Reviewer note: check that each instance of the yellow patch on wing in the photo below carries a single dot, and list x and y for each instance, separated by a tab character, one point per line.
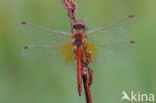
67	51
92	48
70	36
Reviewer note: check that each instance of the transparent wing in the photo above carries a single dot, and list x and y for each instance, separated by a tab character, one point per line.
103	53
114	30
49	55
42	35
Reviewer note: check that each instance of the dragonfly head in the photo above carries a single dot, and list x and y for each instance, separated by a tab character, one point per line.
78	25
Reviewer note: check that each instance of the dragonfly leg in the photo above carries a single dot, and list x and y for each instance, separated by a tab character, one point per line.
87	53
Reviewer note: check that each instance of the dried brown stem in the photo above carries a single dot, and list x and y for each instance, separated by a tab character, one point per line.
87	83
71	7
87	89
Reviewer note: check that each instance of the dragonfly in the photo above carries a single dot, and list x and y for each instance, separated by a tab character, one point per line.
61	48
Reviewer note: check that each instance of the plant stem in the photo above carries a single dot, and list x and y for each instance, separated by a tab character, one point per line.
87	89
87	82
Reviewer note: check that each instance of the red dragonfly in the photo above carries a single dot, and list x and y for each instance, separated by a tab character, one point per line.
60	48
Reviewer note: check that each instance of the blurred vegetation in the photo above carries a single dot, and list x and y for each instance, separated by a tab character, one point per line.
24	81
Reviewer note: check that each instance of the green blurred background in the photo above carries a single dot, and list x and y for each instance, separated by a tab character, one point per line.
24	81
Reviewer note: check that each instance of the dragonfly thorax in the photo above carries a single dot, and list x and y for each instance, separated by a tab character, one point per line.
78	37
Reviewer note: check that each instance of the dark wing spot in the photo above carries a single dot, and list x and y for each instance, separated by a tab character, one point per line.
131	16
23	23
132	42
26	47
